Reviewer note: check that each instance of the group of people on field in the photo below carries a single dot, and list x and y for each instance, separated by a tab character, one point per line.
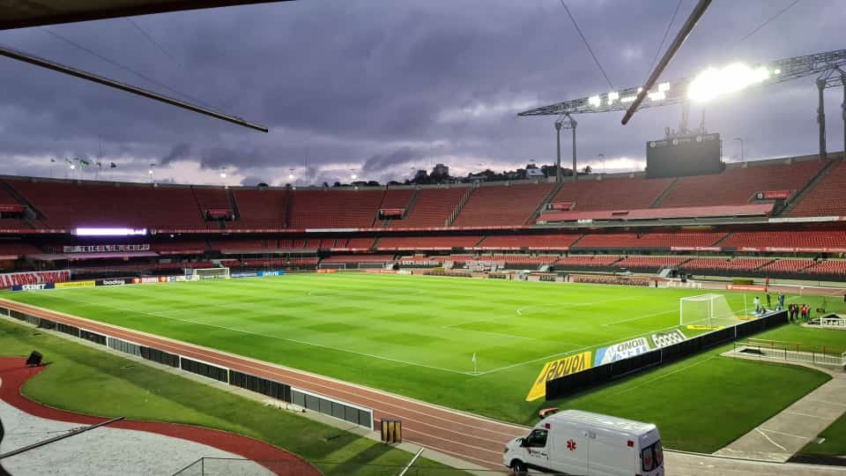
796	312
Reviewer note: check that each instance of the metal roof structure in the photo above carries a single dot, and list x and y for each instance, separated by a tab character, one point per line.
28	13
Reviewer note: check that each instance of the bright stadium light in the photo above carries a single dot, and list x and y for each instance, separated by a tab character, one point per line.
663	87
290	176
594	101
110	231
613	96
715	82
657	96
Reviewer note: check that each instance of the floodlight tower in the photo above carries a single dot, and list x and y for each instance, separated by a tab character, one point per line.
565	121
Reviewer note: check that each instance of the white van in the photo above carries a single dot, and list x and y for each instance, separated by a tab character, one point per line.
583	443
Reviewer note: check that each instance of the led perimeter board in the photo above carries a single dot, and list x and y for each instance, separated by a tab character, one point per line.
683	156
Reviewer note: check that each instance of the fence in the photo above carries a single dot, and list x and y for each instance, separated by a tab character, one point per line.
590	378
311	401
791	352
245	467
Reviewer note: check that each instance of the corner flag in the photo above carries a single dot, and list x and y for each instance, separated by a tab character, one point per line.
474	364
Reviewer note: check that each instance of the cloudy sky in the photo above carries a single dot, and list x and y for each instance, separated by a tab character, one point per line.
379	87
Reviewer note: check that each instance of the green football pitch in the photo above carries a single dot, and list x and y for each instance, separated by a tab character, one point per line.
410	335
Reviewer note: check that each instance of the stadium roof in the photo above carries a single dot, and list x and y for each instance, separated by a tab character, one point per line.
21	14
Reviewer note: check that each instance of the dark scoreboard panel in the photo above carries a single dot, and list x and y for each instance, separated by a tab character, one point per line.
682	156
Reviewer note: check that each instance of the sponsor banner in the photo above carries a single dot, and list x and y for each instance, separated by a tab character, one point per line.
665	339
392	212
783	249
11	208
7	280
695	248
113	282
773	195
558	368
33	287
380	271
279	272
150	279
805	219
76	284
621	351
251	274
560	206
746	287
104	248
327	271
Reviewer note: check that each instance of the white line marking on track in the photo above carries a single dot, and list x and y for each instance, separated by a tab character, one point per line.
783	433
769	439
806	415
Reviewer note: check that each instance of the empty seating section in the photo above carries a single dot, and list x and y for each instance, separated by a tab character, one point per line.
649	240
502	206
70	205
650	262
536	260
832	267
788	265
13	224
175	247
737	185
359	243
358	259
537	242
397	198
245	245
6	199
260	208
597	261
17	248
834	239
612	194
334	208
211	198
828	198
426	242
726	264
432	207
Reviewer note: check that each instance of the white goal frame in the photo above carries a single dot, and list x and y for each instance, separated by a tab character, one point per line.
210	273
712	300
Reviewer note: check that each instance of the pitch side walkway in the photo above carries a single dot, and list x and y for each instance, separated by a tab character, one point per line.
785	434
472	438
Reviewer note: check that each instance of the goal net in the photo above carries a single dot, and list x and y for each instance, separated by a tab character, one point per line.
210	273
706	310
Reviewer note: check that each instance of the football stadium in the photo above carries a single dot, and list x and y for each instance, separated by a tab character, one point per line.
687	316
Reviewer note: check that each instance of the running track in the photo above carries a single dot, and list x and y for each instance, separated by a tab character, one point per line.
468	437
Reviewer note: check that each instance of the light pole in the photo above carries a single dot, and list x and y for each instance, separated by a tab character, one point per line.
742	150
604	171
566	122
150	173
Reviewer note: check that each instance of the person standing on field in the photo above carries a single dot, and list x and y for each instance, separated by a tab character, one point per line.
757	303
769	301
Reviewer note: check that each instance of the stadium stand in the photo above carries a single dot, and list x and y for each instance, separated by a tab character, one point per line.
725	211
211	198
395	198
649	240
814	240
15	248
502	205
828	198
558	241
260	208
347	259
587	261
432	207
788	266
180	247
737	185
611	193
245	245
525	260
334	208
69	205
726	264
359	243
426	242
13	224
830	268
650	262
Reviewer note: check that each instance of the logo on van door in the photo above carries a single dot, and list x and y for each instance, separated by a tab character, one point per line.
571	445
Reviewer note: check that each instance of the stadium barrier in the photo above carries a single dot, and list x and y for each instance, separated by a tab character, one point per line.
603	374
357	415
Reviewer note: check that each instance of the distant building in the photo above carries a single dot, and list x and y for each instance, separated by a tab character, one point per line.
534	173
440	170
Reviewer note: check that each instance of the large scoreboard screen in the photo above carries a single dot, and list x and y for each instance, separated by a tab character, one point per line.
682	156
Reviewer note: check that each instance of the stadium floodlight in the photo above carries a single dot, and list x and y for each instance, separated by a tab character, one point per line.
657	96
594	101
290	176
664	87
715	82
354	176
613	96
110	231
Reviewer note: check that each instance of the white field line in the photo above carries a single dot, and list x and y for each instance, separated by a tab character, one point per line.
639	317
770	439
666	375
508	336
578	304
296	341
807	415
783	433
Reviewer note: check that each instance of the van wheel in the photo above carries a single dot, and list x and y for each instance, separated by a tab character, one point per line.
518	468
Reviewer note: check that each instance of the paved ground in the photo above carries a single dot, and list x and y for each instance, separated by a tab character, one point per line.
686	464
783	435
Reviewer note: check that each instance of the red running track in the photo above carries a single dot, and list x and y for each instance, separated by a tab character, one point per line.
472	438
14	373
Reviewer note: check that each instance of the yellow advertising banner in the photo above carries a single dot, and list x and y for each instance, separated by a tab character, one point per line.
558	368
75	284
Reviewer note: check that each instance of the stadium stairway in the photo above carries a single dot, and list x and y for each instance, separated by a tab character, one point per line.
718	242
464	199
552	193
809	187
32	216
410	203
660	198
233	203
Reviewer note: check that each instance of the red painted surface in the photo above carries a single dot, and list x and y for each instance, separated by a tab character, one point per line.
14	373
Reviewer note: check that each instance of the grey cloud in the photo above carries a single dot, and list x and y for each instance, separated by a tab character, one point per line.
179	151
398	157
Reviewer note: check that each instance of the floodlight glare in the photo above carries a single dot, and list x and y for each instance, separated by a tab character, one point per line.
110	231
223	175
715	82
613	96
290	176
594	101
777	71
663	87
657	96
628	99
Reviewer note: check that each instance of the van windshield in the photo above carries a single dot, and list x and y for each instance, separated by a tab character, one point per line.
652	456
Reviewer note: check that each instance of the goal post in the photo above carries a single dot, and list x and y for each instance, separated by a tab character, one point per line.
708	310
210	273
